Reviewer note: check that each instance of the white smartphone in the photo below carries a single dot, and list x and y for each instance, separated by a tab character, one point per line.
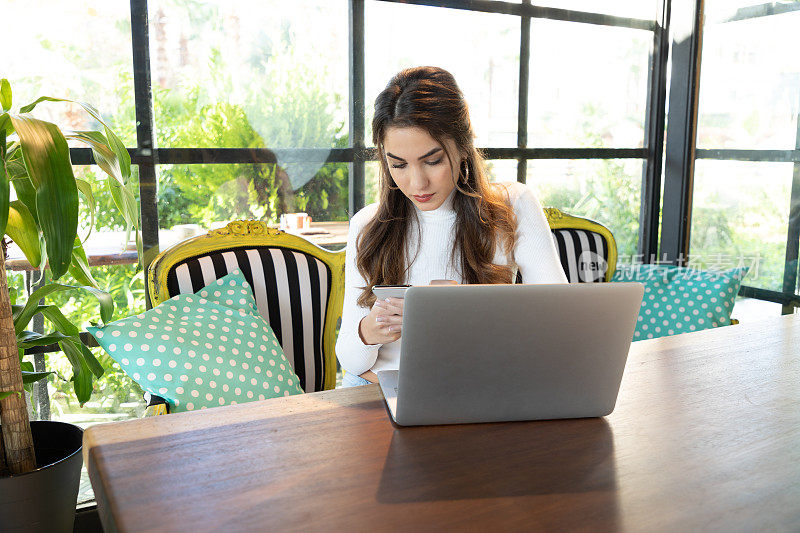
389	291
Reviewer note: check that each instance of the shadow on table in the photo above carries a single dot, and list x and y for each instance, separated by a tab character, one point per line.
525	458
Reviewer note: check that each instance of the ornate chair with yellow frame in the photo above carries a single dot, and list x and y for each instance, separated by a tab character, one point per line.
587	249
298	288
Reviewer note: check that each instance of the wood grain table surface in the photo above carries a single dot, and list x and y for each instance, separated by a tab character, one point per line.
705	437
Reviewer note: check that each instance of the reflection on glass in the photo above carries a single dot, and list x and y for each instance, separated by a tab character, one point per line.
588	85
212	195
740	218
79	50
608	191
749	83
250	74
480	50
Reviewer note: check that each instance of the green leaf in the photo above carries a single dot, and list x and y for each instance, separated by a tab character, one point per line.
16	310
9	393
26	193
28	108
24	231
79	268
106	303
88	107
28	339
32	306
46	155
15	168
91	361
5	194
5	124
113	141
104	156
61	323
5	94
112	157
33	377
81	374
86	190
26	366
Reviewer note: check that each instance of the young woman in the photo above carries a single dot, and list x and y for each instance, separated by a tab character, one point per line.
438	218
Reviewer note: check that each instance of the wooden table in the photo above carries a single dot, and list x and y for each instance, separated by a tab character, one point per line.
705	436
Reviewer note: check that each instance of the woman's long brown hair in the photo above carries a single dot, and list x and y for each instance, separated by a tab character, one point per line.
429	98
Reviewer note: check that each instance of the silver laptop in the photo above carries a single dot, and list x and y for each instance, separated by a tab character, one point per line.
494	353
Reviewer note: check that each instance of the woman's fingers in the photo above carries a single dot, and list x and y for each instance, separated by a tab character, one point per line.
393	306
392	336
388	319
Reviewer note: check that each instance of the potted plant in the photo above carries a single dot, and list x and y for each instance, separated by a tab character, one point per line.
40	462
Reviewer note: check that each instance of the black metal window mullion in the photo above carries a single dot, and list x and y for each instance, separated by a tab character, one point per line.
524	78
790	267
356	114
146	157
533	11
686	28
735	154
654	135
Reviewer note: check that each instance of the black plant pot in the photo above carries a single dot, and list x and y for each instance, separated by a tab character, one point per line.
44	499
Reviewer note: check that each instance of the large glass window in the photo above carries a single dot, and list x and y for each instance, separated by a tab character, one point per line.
481	50
740	218
46	56
249	74
750	85
749	98
607	190
588	85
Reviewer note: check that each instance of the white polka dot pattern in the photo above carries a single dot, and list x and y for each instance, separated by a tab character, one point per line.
682	300
192	376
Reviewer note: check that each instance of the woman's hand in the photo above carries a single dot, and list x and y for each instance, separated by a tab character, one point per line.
384	323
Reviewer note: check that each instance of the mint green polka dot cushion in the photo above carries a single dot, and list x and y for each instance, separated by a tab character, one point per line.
203	350
680	299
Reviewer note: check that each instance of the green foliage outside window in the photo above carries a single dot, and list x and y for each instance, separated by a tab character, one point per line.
610	195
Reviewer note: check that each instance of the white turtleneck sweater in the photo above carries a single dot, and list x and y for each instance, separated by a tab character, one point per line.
430	243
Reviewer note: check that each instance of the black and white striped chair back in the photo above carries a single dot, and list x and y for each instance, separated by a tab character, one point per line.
292	290
583	253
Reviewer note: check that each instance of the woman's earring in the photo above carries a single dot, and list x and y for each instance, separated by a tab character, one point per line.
466	171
